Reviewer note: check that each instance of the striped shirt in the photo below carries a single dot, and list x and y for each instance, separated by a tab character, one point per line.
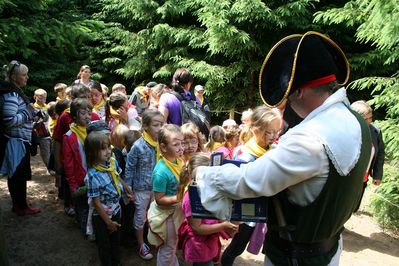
17	117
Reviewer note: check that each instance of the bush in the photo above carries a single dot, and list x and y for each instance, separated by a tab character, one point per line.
385	201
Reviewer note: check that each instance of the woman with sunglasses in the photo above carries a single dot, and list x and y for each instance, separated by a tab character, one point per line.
16	123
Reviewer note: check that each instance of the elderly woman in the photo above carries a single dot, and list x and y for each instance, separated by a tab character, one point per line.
16	134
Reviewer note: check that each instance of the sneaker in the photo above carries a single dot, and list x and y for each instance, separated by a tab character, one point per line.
70	211
91	237
145	252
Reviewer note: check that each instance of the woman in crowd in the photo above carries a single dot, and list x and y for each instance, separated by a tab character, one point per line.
16	135
83	76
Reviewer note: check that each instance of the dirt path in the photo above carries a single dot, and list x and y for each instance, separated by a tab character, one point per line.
52	238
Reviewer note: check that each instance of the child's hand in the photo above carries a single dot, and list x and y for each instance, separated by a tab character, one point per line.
122	111
130	196
230	228
113	226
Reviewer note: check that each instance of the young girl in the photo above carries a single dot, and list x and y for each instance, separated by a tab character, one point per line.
141	161
75	159
117	112
97	99
193	140
232	136
216	138
104	187
199	238
264	126
164	214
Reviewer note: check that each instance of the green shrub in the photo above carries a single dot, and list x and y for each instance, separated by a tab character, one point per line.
385	201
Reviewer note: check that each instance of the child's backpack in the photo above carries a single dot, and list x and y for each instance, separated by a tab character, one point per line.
192	112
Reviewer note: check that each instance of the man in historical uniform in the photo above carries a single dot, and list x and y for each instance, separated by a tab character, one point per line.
314	175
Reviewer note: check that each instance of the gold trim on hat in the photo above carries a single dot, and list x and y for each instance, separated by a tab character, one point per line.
288	89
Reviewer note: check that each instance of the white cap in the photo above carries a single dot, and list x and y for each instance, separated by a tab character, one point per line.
199	88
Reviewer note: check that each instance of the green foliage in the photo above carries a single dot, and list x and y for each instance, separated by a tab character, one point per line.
47	36
377	27
385	202
223	42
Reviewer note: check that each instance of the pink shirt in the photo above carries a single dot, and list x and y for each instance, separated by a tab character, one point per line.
198	248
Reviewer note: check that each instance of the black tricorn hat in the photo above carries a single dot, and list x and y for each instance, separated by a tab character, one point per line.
297	61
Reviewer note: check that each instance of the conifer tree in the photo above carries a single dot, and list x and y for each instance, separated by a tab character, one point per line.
223	42
49	36
377	26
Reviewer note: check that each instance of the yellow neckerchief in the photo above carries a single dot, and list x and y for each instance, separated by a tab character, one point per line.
51	125
174	167
41	107
112	171
153	143
80	132
143	95
217	145
68	110
97	107
200	98
254	149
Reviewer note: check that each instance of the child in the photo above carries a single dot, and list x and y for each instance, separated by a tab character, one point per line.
40	126
216	138
165	214
104	187
232	135
97	99
118	112
59	90
141	161
265	126
118	87
104	90
52	120
246	117
63	122
68	93
193	140
75	160
199	238
118	137
376	166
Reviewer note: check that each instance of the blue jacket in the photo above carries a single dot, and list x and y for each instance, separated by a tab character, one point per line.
139	165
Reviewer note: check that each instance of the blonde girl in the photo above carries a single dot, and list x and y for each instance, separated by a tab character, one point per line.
199	238
164	214
193	140
105	188
264	129
141	161
216	138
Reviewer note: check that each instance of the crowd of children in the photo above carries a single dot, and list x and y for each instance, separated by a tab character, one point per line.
120	167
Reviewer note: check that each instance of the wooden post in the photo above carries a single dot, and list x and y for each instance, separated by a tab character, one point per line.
231	114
